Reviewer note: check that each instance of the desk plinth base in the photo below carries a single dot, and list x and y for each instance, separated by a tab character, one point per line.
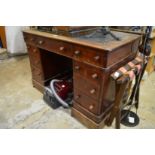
38	86
86	121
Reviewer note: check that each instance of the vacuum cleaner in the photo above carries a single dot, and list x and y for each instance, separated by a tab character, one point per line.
59	93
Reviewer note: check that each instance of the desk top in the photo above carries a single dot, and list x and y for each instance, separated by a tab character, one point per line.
94	40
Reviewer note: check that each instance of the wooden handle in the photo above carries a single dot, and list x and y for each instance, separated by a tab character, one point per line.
41	42
92	91
77	52
32	39
91	107
61	48
77	67
97	58
94	76
35	50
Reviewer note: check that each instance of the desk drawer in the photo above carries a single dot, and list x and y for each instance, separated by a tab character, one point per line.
75	51
55	46
34	55
91	90
37	74
93	74
85	101
88	55
30	39
59	47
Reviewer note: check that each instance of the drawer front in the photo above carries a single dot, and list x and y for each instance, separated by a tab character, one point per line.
37	74
88	55
30	39
91	90
55	46
34	56
74	51
93	74
65	49
85	101
125	51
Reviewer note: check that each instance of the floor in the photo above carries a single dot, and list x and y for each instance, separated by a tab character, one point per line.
21	105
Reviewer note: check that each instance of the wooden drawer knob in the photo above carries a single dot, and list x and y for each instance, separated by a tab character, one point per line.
28	47
91	107
77	67
77	97
35	50
94	76
92	91
41	42
32	39
61	48
77	52
96	58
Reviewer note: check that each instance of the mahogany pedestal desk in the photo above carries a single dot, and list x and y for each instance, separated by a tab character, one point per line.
92	60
